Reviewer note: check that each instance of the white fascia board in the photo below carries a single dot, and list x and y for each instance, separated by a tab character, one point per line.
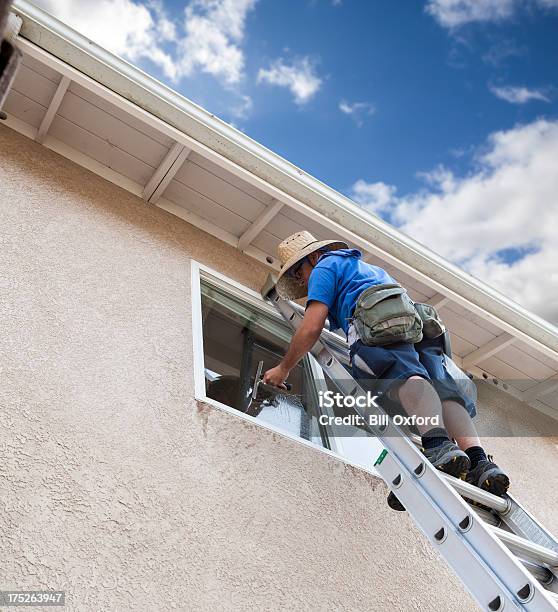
161	101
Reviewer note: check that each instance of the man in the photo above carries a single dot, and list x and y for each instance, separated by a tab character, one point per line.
332	276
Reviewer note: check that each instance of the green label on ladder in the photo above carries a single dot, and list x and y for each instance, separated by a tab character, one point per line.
381	457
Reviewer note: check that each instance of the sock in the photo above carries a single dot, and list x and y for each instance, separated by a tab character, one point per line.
476	454
434	438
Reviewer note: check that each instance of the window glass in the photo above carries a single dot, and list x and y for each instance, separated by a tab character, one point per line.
237	336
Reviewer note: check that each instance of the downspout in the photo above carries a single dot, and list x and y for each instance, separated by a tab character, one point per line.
10	55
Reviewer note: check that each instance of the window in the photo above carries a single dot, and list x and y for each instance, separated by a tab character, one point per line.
234	331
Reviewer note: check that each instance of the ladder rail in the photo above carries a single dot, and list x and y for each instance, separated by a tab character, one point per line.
526	548
493	576
511	512
524	524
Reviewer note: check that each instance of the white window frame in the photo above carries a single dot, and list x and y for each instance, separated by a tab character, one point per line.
251	297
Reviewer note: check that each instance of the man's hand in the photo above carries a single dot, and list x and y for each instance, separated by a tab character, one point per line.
276	376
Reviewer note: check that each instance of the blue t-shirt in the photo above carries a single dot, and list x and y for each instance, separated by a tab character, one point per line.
338	279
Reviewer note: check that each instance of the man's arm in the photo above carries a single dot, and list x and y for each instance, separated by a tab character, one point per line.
304	339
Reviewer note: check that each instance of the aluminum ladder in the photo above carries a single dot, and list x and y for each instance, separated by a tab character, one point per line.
503	556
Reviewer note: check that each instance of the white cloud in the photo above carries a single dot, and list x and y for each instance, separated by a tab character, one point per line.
300	77
209	39
501	51
518	95
124	27
374	197
165	27
214	30
357	110
455	13
509	205
242	108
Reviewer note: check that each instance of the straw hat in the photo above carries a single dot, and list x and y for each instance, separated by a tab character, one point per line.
292	250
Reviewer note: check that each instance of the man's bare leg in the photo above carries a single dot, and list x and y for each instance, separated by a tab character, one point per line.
418	397
459	425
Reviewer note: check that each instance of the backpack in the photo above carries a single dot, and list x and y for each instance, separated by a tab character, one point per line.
432	325
385	314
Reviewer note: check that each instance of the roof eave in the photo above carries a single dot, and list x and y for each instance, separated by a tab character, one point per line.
149	94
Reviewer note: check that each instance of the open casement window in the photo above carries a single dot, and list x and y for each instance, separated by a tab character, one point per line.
235	330
236	337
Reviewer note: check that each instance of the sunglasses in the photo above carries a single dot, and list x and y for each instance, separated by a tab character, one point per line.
294	272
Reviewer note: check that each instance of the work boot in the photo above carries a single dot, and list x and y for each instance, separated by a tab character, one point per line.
488	476
447	458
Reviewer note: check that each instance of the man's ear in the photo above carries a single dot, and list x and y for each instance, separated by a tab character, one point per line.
313	257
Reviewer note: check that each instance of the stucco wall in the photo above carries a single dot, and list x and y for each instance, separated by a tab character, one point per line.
115	485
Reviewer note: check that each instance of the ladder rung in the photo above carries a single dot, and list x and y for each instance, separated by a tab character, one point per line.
542	574
526	548
488	517
469	491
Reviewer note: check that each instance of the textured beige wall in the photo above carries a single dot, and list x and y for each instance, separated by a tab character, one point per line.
115	485
531	456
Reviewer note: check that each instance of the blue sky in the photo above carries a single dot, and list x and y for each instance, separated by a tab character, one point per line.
441	116
429	87
430	91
